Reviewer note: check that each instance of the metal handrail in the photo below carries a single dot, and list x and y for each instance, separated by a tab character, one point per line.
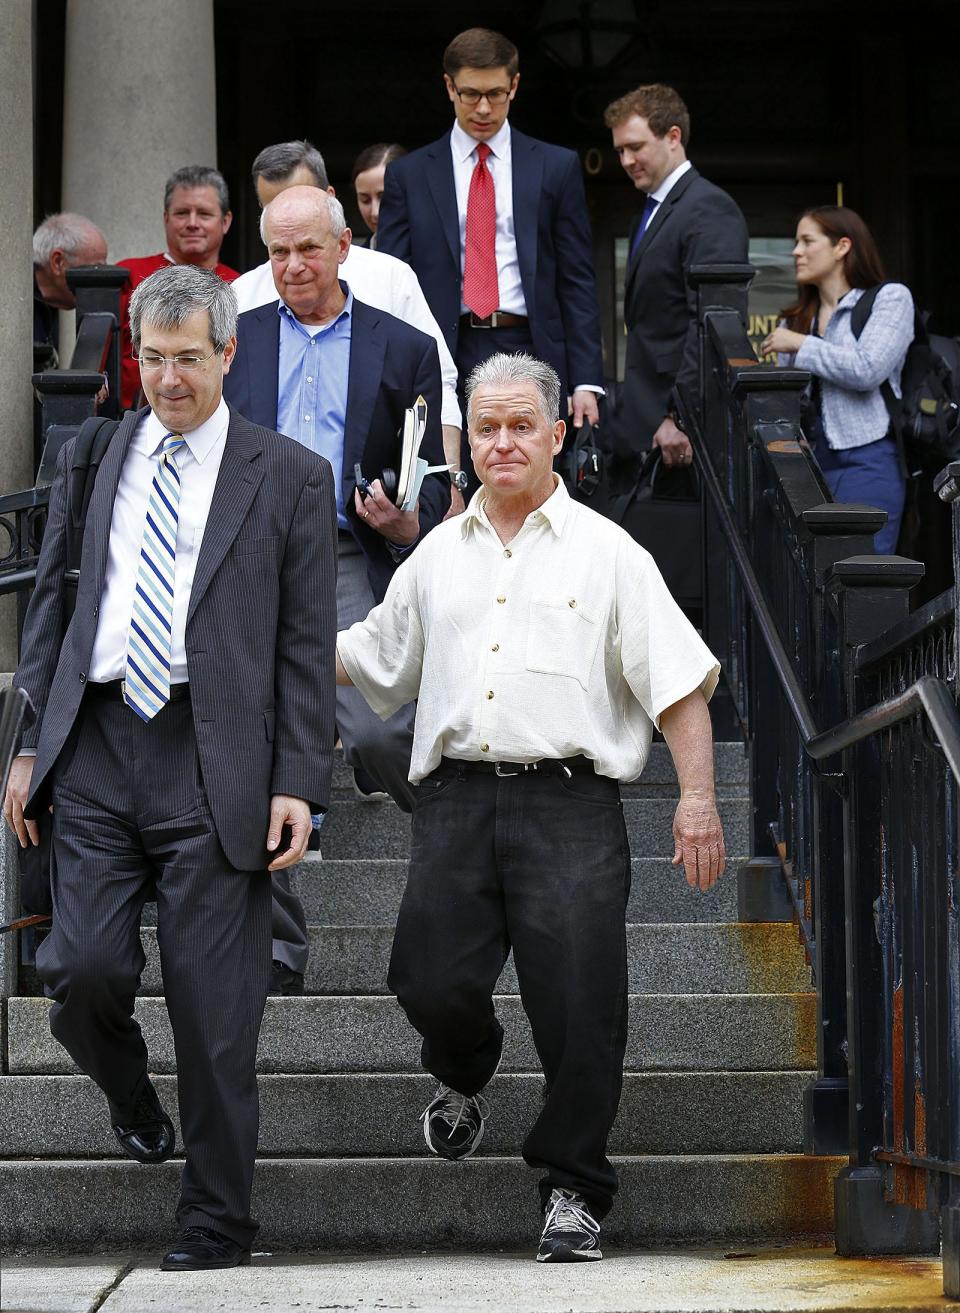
929	694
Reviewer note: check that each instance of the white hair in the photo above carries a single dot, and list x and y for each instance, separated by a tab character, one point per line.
70	233
503	370
338	220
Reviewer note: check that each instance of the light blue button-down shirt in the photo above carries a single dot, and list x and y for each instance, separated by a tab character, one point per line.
851	370
314	370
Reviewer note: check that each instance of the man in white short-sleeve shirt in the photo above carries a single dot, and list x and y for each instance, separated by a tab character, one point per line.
543	646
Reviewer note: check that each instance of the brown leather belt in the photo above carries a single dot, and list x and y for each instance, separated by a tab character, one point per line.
499	319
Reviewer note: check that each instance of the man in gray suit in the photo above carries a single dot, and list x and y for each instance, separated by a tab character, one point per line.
685	221
184	734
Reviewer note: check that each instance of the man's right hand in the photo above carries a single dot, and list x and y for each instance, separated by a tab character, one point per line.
18	787
673	443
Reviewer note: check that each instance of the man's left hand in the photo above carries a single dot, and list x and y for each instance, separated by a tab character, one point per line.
698	842
295	813
584	407
377	510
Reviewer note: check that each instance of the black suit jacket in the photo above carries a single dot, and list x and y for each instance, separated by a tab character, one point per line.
260	631
420	224
696	224
390	365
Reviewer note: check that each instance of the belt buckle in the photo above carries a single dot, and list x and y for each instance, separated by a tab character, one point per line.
123	690
509	774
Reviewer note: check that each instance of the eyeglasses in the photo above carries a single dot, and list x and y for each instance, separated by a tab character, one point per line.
470	97
184	363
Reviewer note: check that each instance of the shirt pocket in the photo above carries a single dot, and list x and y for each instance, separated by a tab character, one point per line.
563	638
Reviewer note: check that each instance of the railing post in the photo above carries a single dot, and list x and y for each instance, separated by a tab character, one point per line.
67	397
97	290
836	530
870	593
947	485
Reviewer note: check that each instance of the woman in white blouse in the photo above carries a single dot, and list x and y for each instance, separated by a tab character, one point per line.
848	427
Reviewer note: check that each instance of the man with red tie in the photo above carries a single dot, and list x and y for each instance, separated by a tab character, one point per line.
495	226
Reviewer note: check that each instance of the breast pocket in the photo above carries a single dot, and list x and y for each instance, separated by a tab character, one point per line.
563	638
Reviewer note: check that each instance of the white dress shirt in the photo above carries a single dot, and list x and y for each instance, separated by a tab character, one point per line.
667	186
463	148
379	280
566	641
199	464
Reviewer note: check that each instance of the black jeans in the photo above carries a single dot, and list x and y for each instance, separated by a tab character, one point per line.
539	863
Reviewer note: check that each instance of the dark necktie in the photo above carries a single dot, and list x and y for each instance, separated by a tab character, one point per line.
649	210
481	292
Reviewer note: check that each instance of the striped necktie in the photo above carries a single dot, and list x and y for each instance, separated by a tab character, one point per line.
146	686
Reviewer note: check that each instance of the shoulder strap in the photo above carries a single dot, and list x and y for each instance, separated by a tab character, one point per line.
861	311
92	441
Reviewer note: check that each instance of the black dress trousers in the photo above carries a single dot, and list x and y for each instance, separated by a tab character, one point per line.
131	815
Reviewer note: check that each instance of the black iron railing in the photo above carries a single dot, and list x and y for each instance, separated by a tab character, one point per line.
67	397
848	704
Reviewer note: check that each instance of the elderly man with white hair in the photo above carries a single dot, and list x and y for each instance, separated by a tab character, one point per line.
63	241
337	375
543	647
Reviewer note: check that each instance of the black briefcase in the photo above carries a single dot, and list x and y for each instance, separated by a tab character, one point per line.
661	511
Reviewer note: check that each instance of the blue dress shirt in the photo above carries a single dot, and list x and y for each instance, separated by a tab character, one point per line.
314	371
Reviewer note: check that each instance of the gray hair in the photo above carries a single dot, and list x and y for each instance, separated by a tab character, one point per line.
197	175
274	163
169	297
504	370
66	232
335	214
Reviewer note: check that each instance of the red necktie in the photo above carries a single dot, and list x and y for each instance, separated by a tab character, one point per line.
481	292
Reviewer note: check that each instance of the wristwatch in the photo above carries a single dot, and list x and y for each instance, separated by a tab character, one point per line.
458	479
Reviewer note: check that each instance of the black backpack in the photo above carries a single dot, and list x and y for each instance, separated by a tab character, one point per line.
926	419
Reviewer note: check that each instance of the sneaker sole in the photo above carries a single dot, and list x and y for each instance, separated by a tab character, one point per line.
571	1256
452	1157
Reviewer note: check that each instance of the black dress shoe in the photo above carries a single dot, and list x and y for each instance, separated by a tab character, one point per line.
200	1247
147	1134
284	980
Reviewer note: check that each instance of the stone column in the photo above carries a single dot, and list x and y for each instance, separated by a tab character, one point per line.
139	102
16	287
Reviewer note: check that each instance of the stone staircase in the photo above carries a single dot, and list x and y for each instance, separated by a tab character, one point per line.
708	1139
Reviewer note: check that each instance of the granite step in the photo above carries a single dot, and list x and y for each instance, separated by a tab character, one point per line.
367	891
360	1203
667	1032
763	958
357	829
368	1115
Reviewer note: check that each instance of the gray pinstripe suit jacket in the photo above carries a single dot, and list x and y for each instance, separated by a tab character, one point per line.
260	632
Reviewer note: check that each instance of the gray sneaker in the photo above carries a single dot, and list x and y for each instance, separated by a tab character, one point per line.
571	1233
453	1123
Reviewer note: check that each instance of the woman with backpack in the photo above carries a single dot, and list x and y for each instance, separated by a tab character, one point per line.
848	422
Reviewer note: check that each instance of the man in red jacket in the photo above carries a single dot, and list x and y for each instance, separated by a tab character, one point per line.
196	218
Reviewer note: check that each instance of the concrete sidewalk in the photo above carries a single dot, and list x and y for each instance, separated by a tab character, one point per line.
751	1280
